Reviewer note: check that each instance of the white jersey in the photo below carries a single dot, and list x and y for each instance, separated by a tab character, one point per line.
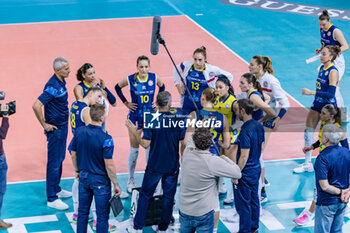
210	73
272	87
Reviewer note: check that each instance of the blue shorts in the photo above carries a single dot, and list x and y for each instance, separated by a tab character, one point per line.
317	106
135	117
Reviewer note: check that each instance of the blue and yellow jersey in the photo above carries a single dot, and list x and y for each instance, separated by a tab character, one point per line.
226	107
142	92
216	125
76	116
322	84
327	36
257	113
196	84
323	123
86	87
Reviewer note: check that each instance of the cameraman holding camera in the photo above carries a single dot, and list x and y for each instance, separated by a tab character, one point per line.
3	165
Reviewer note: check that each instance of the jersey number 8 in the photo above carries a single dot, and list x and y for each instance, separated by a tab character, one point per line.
72	120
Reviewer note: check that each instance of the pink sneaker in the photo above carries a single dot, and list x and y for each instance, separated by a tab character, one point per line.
111	227
303	220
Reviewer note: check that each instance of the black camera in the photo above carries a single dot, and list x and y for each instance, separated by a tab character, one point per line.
11	105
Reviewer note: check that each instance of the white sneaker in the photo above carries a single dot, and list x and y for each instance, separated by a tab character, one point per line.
222	188
229	199
131	184
57	204
347	211
305	167
64	194
124	195
132	230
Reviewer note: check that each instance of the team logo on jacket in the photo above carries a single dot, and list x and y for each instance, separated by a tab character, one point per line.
227	106
211	74
326	73
329	34
265	84
150	83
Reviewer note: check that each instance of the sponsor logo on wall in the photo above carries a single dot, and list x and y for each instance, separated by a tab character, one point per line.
288	7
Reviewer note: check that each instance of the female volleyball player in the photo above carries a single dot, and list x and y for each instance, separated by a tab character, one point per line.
142	87
225	104
198	75
326	85
332	35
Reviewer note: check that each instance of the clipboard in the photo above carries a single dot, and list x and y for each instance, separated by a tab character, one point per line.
116	205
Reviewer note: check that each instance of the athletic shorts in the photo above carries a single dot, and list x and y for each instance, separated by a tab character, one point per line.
317	106
136	118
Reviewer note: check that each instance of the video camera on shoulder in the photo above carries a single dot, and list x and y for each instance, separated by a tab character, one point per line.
11	105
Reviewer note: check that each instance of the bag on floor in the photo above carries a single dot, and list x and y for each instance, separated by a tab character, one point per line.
154	210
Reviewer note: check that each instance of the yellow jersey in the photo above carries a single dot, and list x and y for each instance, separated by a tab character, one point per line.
226	107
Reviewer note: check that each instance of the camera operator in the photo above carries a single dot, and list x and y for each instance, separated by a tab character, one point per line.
3	165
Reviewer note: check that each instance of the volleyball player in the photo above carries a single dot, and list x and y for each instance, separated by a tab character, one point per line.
332	35
198	75
142	87
326	85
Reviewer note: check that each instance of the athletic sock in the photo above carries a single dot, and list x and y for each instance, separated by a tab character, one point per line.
75	195
308	137
147	153
133	154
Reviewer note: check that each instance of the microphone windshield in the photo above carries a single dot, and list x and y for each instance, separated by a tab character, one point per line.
157	20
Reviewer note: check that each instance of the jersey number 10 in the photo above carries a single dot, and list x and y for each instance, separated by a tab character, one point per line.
144	98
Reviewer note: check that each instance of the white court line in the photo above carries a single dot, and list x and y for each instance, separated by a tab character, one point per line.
19	223
270	221
294	205
181	12
82	20
236	54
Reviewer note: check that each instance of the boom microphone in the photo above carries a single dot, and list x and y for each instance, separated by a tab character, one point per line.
157	20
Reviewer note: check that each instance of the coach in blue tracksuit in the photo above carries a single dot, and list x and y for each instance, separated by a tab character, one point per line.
163	163
92	156
250	140
55	101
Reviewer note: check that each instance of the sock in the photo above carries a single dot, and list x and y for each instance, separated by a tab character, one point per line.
75	195
133	154
308	137
93	209
147	153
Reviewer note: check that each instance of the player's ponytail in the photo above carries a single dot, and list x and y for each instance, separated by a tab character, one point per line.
82	70
324	16
265	62
268	65
203	51
251	78
210	94
222	78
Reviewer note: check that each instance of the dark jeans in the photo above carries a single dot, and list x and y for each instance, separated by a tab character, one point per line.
199	224
56	152
149	184
90	186
247	203
3	179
